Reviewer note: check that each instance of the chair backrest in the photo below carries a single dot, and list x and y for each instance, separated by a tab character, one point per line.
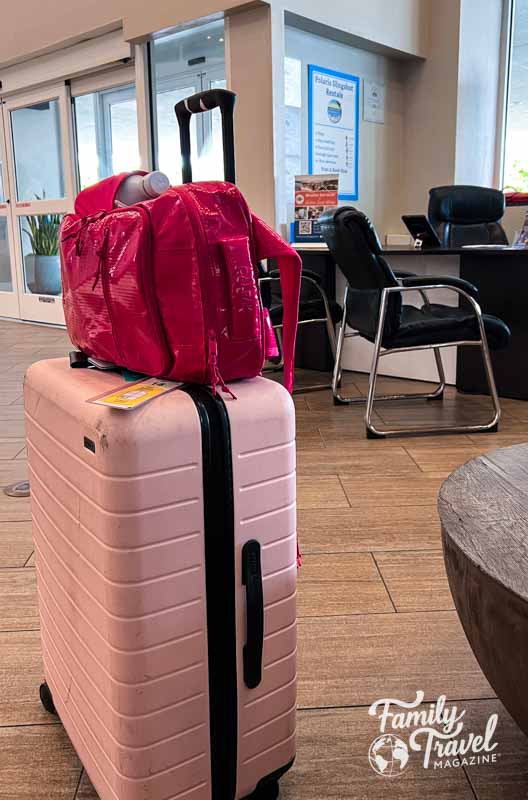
467	215
356	249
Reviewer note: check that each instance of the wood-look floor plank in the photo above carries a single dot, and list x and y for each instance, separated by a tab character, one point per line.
18	600
12	428
338	435
394	461
337	584
324	492
355	660
323	399
507	779
21	674
11	413
14	470
11	448
14	509
37	763
445	460
417	490
16	543
416	581
496	440
369	528
386	384
332	763
309	440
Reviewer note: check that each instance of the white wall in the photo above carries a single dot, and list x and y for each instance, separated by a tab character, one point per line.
380	145
34	26
401	25
452	101
431	110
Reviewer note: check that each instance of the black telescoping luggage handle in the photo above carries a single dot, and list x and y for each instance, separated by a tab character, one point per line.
252	580
196	104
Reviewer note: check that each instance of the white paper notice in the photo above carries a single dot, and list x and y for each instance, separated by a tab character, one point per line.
333	127
292	82
373	101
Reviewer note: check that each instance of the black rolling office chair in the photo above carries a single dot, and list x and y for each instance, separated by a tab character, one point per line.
373	308
314	307
467	215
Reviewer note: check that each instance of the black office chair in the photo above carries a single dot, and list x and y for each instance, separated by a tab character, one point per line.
373	308
467	215
314	307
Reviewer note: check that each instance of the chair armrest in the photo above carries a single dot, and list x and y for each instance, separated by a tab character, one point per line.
402	273
455	283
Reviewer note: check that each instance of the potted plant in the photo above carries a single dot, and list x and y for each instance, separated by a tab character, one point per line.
44	262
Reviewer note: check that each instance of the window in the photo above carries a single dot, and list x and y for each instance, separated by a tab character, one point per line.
516	148
107	135
39	170
184	63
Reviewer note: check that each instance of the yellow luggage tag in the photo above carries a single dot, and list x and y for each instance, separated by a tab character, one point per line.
133	395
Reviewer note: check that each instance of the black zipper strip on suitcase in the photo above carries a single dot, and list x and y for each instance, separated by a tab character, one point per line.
220	587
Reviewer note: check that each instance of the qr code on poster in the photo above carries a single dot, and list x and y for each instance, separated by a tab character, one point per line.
305	227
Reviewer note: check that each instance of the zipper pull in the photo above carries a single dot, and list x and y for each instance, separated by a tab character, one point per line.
216	378
101	254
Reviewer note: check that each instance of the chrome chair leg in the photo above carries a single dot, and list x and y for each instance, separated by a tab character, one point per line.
336	377
491	426
339	399
375	363
488	366
439	391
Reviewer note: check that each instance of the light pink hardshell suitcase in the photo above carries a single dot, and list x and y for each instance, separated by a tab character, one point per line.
166	561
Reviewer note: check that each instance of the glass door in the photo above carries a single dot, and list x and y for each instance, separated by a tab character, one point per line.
106	128
211	162
8	289
183	63
38	138
168	93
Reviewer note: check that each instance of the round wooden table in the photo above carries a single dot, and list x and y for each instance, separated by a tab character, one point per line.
483	507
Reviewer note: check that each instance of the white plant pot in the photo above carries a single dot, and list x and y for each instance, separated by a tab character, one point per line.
45	272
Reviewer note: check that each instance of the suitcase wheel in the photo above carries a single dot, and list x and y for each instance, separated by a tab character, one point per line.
268	790
46	698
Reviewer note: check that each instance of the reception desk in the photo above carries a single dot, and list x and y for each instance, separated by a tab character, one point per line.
501	277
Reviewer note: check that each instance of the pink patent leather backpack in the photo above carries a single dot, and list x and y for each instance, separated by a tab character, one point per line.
169	287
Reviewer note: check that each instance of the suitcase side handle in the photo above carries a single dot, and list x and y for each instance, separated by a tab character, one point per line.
196	104
252	580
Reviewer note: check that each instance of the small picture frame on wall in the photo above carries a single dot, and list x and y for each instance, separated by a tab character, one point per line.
373	101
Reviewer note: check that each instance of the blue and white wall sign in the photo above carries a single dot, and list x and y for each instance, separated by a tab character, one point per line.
333	127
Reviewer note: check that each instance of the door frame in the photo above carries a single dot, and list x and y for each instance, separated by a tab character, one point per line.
9	300
39	307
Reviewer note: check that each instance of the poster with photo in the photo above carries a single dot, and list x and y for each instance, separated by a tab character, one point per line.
333	127
313	194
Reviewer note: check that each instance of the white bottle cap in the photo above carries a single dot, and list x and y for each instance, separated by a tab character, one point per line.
155	183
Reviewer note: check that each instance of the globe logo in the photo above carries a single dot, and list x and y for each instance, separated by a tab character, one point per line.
335	111
388	756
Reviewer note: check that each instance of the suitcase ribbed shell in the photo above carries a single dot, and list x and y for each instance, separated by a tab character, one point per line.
119	539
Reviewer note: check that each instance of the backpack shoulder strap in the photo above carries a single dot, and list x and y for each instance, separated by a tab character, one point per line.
269	244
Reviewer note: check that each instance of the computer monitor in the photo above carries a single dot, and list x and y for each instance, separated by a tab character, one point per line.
421	230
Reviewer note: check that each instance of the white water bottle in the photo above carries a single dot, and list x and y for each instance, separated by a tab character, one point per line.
137	188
